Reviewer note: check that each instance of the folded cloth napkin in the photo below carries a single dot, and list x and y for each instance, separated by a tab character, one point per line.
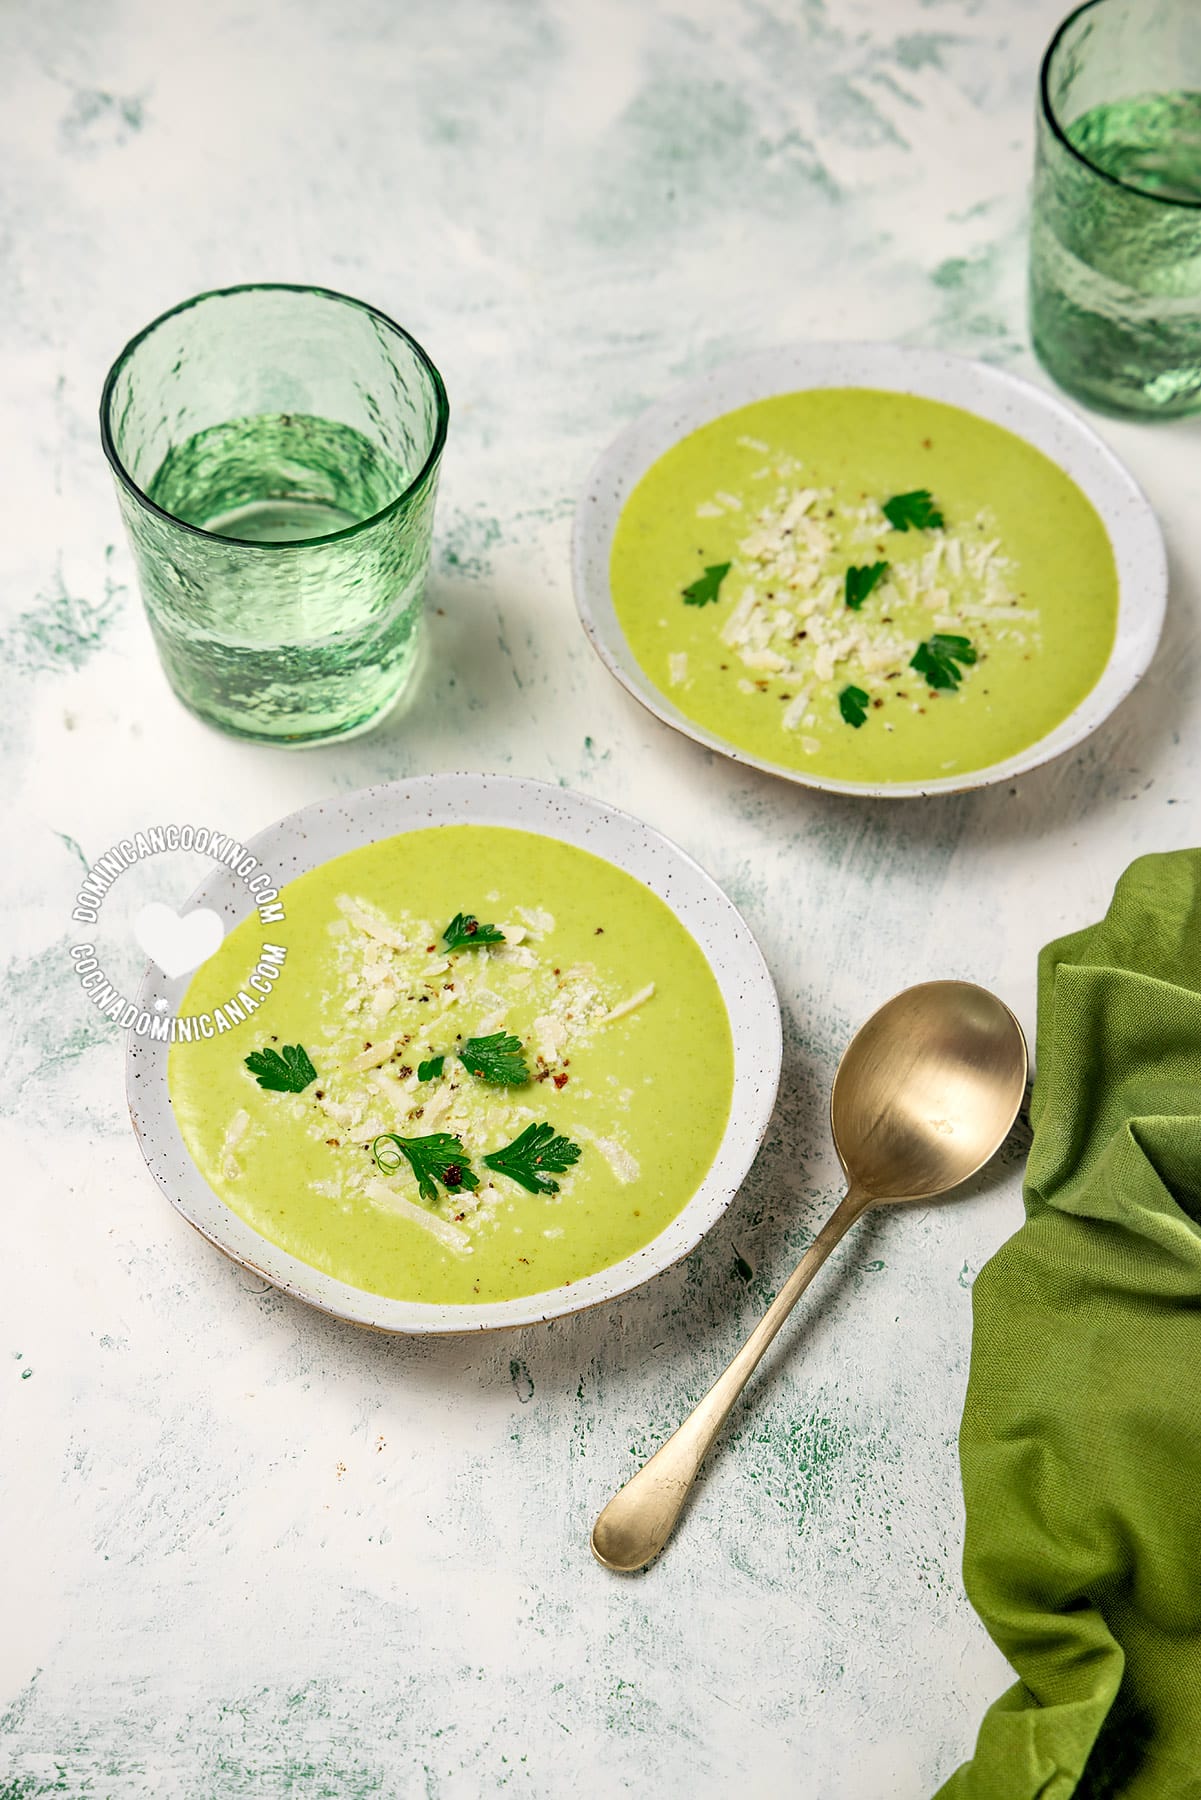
1081	1437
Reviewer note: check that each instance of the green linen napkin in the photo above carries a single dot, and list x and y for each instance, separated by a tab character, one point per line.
1081	1436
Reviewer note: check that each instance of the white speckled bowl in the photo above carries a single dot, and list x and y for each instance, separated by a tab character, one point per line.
1027	411
329	828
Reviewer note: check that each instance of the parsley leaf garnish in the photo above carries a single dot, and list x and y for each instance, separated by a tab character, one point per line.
439	1158
290	1073
860	581
465	931
852	704
916	511
498	1059
430	1069
937	657
705	587
532	1158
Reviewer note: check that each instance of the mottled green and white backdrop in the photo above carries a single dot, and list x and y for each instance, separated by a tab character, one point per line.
249	1551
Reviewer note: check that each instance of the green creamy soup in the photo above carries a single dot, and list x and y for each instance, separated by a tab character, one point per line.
865	585
620	1030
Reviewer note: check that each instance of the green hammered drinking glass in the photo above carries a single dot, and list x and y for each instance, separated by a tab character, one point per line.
1115	249
276	453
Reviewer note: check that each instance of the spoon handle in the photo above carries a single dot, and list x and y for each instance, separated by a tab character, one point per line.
639	1519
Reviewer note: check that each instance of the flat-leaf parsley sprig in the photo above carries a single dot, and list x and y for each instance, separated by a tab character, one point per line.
498	1060
465	932
289	1073
531	1159
915	511
852	704
436	1159
706	587
937	658
860	581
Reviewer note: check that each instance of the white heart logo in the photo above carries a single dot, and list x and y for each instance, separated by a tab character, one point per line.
178	945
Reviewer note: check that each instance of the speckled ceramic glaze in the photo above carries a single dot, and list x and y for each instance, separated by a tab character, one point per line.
992	394
311	837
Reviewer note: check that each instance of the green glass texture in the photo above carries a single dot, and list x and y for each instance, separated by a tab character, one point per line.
276	453
1115	250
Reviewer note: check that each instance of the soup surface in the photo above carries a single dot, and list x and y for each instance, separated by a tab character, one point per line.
449	996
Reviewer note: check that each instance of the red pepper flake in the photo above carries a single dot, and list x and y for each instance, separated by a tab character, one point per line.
599	932
562	1080
430	948
333	1142
453	1177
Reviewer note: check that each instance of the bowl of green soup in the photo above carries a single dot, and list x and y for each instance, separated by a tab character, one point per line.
870	569
507	1053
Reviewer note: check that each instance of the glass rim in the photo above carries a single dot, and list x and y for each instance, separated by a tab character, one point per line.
127	481
1049	115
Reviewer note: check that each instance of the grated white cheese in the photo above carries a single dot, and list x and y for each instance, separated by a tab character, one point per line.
378	1054
619	1159
677	664
627	1006
447	1234
371	923
550	1037
796	550
235	1131
770	660
794	712
734	630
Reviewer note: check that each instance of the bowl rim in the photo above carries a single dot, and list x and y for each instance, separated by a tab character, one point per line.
362	817
991	393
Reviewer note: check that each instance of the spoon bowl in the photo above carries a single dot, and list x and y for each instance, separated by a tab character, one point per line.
926	1093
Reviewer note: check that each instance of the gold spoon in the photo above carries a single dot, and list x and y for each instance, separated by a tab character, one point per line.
925	1094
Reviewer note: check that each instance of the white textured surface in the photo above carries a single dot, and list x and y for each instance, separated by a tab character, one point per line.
253	1552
